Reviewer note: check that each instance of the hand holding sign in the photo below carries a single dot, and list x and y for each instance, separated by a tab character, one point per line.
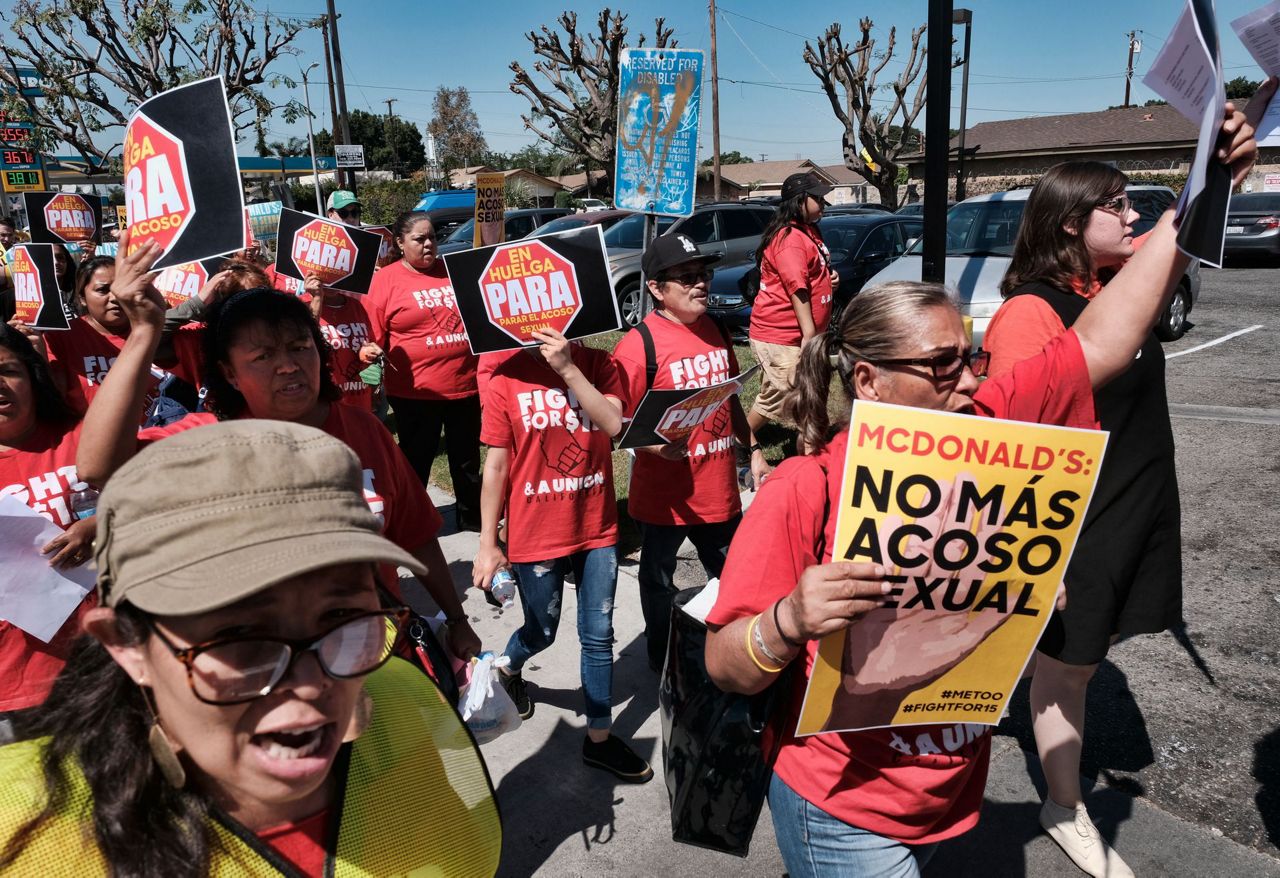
829	597
133	287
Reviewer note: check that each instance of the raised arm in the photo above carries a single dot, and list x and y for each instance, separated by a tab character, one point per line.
110	433
1119	319
606	412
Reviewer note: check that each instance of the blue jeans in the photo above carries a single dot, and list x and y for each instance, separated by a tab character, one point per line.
658	568
541	586
816	845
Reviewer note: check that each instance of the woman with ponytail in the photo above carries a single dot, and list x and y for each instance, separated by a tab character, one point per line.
878	802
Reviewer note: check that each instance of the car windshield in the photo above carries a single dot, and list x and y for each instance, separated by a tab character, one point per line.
563	224
841	237
628	234
1255	201
463	234
981	228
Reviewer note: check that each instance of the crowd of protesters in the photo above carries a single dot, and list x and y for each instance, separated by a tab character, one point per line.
255	505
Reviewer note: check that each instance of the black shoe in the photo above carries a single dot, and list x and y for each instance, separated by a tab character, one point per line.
614	756
514	684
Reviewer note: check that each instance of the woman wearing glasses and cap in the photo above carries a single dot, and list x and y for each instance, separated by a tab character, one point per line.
236	710
877	802
796	288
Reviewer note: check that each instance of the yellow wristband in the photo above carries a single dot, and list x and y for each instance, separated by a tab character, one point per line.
751	652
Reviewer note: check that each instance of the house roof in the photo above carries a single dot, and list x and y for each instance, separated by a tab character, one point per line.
464	178
574	182
769	173
843	176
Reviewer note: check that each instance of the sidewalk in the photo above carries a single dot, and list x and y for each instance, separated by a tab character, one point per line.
563	819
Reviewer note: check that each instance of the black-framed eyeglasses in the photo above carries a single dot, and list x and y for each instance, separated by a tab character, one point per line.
1119	205
689	278
234	670
948	366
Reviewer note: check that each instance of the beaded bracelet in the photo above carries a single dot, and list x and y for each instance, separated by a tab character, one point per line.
751	628
794	644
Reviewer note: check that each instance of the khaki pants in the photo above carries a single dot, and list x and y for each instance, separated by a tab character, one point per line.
777	373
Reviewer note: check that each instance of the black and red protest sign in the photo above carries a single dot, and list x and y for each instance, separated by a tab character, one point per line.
508	291
177	283
344	257
181	178
35	287
63	217
667	416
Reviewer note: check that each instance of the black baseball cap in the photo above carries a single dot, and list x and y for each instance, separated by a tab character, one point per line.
668	251
808	183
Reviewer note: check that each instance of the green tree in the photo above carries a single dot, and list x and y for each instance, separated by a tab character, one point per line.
732	157
371	130
1241	88
456	128
98	60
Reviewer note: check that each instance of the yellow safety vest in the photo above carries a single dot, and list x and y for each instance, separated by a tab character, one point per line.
416	801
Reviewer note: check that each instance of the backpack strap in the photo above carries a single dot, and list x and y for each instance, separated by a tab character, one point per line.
650	355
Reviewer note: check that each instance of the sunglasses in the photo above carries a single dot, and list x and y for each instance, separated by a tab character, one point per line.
1119	205
234	670
689	278
348	212
948	366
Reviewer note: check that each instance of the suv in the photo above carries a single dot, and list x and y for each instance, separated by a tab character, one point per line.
447	208
518	223
624	242
980	235
730	229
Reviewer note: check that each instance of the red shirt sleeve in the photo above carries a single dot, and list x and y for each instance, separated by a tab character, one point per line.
495	422
1052	387
375	305
1021	328
629	358
790	258
778	538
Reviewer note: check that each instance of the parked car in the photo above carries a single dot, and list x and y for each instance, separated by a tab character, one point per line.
730	228
860	245
518	224
833	209
980	235
590	205
916	208
1253	225
625	242
448	209
602	218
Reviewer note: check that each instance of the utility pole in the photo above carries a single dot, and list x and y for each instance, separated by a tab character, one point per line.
715	109
763	156
1128	73
328	75
965	17
395	153
311	140
342	88
937	119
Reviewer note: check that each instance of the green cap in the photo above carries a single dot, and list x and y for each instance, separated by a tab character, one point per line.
341	198
212	515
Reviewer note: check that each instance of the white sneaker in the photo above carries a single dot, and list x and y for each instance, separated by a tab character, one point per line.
1075	833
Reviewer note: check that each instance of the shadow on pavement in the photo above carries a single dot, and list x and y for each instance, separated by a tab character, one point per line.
1266	771
1115	732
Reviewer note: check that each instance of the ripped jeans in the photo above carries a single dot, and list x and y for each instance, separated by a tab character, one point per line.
541	587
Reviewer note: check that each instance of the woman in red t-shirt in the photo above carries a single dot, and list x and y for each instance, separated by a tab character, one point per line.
877	802
345	324
430	372
796	286
268	359
548	420
38	437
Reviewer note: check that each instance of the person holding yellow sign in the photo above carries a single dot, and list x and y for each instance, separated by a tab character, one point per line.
877	802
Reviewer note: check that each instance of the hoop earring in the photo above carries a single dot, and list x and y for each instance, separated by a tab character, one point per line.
162	751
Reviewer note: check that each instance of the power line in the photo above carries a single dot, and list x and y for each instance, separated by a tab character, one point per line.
762	23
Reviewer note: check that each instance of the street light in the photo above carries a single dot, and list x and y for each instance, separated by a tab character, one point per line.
965	17
311	136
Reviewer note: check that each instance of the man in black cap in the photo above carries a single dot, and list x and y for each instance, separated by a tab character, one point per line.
796	289
688	488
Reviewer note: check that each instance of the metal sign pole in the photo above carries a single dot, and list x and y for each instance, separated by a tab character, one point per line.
650	232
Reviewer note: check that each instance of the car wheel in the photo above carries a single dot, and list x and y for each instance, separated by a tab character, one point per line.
629	304
1173	323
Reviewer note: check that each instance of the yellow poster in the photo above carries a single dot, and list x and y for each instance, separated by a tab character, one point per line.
490	208
974	521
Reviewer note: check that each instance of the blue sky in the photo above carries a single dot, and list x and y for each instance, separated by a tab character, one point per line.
1028	58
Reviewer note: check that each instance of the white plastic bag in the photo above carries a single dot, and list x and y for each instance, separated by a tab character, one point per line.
487	709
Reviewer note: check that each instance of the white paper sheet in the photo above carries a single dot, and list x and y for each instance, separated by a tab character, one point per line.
702	603
1183	72
1260	32
34	596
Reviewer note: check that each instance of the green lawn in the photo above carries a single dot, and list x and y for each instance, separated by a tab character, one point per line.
778	442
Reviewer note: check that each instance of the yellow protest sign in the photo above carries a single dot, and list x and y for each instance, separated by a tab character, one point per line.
974	520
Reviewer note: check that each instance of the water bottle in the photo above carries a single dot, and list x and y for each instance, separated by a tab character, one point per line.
503	588
84	501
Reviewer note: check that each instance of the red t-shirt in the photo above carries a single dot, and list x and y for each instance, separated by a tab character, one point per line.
916	784
703	487
82	356
393	491
485	369
346	328
561	497
41	475
796	259
283	282
301	843
415	320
